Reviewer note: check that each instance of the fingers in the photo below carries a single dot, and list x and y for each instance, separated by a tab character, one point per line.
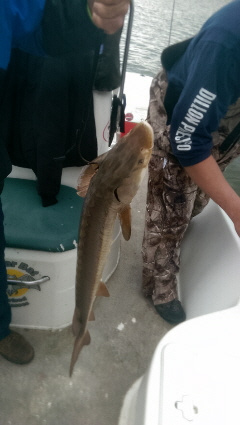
108	14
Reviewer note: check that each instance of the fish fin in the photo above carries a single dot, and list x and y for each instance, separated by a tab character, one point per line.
86	175
125	221
91	316
102	290
84	179
78	345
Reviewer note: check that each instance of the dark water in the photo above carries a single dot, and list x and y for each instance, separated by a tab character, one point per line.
158	22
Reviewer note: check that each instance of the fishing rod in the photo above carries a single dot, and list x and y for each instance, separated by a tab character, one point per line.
171	23
119	102
126	51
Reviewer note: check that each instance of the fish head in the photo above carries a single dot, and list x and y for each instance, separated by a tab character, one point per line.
129	160
120	171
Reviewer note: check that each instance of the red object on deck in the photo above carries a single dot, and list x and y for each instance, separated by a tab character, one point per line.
128	126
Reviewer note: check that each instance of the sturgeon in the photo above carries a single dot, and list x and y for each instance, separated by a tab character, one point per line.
110	182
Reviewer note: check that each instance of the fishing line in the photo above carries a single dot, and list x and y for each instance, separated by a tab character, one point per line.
86	112
171	23
117	118
80	132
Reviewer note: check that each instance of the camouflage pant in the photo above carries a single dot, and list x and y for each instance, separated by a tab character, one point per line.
173	198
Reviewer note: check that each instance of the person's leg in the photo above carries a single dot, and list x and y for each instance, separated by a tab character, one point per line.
5	310
170	200
200	203
51	125
13	346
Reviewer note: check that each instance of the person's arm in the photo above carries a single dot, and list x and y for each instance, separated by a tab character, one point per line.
209	78
108	14
208	176
79	25
205	98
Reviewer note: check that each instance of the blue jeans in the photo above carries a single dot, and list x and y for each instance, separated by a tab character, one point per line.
5	310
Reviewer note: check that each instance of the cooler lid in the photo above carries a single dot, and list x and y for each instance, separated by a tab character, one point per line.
199	386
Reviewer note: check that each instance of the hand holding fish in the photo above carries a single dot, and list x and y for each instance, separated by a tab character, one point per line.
108	14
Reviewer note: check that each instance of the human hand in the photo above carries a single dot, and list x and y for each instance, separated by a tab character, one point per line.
108	14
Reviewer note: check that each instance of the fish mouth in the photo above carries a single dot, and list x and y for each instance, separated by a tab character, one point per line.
143	135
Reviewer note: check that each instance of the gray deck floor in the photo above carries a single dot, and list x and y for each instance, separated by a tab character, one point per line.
42	392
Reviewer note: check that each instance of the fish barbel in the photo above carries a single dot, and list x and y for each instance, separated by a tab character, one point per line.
114	180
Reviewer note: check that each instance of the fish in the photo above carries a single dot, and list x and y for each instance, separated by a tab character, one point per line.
108	184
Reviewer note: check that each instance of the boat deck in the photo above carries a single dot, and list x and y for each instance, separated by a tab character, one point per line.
124	336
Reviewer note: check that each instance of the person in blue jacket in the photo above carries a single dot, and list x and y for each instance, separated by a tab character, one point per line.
194	105
44	27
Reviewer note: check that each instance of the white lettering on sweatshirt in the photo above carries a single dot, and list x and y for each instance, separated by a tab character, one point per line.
194	116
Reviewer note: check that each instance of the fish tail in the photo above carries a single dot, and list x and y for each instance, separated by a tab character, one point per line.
80	341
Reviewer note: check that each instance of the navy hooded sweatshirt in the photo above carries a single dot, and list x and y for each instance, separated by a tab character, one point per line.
208	77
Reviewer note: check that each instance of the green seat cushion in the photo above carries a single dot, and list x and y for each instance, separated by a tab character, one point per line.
28	225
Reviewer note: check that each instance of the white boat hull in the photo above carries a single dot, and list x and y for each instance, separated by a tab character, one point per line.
195	370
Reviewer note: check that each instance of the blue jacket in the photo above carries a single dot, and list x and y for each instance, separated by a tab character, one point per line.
42	27
20	27
208	78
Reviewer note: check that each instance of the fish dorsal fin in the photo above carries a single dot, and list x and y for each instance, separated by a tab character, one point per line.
86	175
84	179
91	316
102	290
125	221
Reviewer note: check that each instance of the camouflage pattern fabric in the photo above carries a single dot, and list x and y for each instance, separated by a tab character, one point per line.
172	198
